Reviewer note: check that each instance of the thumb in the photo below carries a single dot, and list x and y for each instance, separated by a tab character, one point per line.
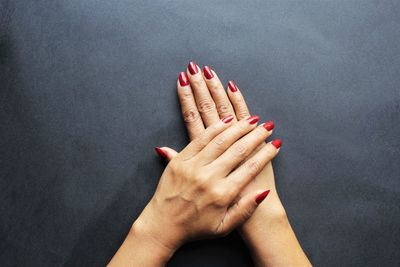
243	209
166	152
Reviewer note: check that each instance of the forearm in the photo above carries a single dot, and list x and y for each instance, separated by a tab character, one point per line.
139	249
271	238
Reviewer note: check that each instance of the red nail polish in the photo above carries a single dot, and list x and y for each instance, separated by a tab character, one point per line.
232	86
277	143
269	125
161	152
193	68
253	119
228	119
183	79
208	72
262	196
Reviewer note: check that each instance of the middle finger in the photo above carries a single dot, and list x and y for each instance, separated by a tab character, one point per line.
204	101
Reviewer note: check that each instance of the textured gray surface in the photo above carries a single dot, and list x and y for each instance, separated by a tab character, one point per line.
88	89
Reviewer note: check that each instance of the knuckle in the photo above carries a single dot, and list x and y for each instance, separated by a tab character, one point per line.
186	94
223	108
197	81
217	195
215	127
240	150
241	126
173	165
176	169
206	105
200	141
247	214
201	183
219	141
253	167
242	112
214	86
191	115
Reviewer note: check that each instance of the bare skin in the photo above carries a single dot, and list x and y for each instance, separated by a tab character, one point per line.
167	221
199	193
268	232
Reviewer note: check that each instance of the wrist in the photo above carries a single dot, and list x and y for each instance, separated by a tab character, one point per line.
140	235
269	215
157	229
141	248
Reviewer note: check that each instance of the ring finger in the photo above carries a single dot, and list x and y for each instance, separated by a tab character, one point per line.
224	106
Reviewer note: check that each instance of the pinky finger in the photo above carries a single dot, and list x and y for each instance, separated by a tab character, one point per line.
237	100
253	166
242	210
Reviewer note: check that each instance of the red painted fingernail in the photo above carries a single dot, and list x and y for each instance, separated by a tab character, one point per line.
228	119
161	152
232	86
262	196
183	79
253	119
208	72
193	68
269	125
277	143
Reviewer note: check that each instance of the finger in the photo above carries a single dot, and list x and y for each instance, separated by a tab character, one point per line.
204	101
240	150
191	115
243	175
237	100
241	211
166	153
218	93
197	144
224	140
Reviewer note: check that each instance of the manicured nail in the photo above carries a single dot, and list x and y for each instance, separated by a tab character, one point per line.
269	125
277	143
253	119
232	86
208	72
193	68
183	79
262	196
227	119
161	152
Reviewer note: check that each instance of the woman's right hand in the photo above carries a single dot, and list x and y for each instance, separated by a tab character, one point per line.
197	196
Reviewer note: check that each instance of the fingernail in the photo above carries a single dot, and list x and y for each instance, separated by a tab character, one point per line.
232	86
228	119
208	72
161	152
262	196
277	143
183	79
269	125
253	119
193	68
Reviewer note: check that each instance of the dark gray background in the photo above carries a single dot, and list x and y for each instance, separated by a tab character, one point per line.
88	89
